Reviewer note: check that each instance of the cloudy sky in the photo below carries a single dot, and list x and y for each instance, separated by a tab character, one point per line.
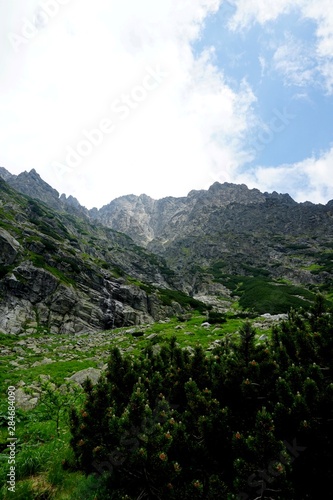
113	97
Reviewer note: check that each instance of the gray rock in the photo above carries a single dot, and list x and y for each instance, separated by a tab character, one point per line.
22	343
156	349
25	401
93	374
152	336
14	363
9	248
45	361
190	349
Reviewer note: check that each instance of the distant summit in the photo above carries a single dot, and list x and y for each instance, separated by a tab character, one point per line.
31	184
216	241
146	219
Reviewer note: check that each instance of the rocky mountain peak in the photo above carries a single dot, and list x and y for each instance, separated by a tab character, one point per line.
70	200
5	175
31	184
234	193
147	220
282	198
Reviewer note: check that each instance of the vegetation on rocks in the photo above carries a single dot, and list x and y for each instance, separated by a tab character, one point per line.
199	366
245	414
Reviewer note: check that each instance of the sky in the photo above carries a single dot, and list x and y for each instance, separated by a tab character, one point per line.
117	97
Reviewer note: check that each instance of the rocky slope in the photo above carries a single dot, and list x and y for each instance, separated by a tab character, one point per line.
161	221
230	230
225	243
31	184
61	273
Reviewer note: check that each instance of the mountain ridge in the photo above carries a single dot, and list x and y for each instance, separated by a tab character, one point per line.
62	273
226	240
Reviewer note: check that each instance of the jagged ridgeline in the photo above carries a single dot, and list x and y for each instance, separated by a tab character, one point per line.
60	272
269	251
70	269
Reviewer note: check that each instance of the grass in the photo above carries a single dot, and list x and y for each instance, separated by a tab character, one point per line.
168	296
264	295
45	465
313	267
98	347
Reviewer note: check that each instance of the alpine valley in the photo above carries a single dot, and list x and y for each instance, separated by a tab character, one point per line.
172	349
66	269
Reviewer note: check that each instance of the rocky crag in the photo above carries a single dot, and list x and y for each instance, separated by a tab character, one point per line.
230	230
61	273
225	244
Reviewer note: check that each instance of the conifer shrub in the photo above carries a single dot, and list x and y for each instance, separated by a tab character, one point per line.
250	420
215	317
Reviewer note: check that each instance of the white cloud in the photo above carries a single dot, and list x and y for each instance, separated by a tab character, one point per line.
322	14
299	63
308	180
294	60
184	134
250	12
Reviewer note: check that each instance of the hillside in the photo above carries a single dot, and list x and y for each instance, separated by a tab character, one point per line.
227	245
236	237
61	273
185	399
172	411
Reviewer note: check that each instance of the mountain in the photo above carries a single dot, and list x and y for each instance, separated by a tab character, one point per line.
59	272
264	252
5	175
31	184
160	221
233	236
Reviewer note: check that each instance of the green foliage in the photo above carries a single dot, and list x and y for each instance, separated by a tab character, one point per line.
55	402
175	425
256	272
217	269
247	335
325	263
168	296
4	270
266	296
216	317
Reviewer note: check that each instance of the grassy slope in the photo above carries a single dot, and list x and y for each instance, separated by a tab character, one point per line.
44	461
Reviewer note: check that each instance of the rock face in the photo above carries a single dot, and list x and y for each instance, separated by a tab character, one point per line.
230	226
147	220
61	274
9	248
33	298
31	184
6	176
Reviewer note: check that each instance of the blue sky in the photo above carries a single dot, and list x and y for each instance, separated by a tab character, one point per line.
105	99
248	55
240	57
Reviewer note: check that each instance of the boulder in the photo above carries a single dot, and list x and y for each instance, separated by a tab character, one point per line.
25	401
9	248
93	374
